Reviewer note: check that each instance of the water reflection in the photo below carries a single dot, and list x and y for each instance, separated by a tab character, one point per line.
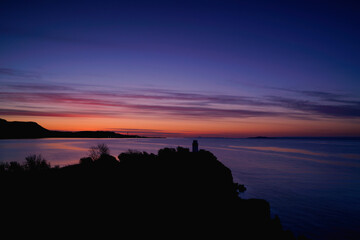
286	150
297	177
64	146
289	153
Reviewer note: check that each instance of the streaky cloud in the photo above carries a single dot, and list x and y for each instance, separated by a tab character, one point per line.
146	132
323	110
37	87
21	112
324	95
171	103
121	105
11	72
321	94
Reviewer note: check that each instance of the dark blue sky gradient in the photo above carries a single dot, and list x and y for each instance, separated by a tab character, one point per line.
253	49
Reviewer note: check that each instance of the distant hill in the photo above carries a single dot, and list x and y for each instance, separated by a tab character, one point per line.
260	137
23	130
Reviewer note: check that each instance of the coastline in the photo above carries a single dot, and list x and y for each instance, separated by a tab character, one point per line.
172	182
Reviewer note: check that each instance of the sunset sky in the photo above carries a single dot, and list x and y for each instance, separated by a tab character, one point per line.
183	68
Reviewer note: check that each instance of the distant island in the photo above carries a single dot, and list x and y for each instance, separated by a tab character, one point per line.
260	137
28	130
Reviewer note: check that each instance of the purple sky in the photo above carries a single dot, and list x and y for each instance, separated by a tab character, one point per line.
243	64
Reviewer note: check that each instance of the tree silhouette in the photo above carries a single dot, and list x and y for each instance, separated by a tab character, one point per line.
95	152
36	163
15	167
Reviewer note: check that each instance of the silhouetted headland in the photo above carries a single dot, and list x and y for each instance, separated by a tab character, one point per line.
174	193
25	130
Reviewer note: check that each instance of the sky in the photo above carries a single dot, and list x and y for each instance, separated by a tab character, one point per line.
183	68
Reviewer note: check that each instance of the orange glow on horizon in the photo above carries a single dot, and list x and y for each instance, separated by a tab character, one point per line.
197	127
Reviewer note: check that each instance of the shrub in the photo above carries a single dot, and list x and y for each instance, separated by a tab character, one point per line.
15	167
36	163
86	160
95	152
4	167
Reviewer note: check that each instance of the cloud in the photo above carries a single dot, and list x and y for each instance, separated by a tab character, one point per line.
320	109
15	73
37	87
169	103
21	112
189	98
146	132
324	95
200	112
320	94
126	104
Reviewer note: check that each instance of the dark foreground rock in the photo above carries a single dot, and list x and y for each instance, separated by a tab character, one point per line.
173	194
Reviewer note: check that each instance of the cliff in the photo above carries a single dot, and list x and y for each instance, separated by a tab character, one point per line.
175	193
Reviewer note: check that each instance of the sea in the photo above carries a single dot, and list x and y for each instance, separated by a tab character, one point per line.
312	184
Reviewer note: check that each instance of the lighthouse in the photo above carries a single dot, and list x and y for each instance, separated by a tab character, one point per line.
195	146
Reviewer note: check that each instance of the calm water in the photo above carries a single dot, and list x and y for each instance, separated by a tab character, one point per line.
312	185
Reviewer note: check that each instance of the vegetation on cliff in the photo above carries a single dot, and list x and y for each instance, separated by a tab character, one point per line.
177	191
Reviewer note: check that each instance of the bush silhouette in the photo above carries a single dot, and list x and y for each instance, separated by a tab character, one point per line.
36	163
15	167
95	152
86	160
